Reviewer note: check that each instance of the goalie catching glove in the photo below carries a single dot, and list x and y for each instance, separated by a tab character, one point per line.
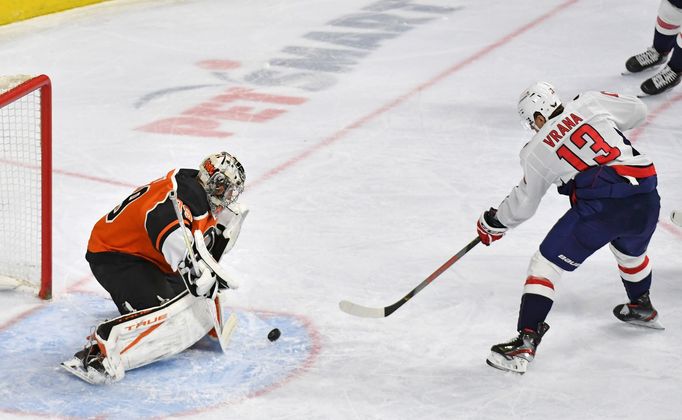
228	228
489	228
205	277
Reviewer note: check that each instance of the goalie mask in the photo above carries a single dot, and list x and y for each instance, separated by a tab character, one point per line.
539	98
222	176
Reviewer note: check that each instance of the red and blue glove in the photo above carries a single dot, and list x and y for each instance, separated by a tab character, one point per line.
489	228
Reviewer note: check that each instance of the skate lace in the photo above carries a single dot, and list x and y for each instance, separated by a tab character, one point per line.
664	78
648	57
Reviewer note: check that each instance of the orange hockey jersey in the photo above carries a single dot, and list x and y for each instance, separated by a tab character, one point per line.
141	224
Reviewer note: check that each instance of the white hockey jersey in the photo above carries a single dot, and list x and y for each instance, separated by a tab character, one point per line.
586	134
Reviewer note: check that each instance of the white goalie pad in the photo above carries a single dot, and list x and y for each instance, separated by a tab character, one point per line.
143	337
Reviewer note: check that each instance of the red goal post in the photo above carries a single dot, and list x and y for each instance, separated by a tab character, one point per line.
26	183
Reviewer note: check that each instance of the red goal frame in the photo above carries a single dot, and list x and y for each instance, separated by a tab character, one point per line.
44	84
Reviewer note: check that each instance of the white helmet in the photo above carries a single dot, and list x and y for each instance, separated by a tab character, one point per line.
222	176
539	98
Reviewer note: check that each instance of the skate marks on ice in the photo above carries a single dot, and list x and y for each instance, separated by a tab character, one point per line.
198	379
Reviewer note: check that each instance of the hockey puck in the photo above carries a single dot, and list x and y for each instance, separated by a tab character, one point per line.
274	334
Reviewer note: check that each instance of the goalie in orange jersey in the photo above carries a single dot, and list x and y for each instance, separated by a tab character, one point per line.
154	269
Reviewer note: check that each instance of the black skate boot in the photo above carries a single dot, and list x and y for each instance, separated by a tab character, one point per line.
515	354
646	60
661	81
87	365
639	312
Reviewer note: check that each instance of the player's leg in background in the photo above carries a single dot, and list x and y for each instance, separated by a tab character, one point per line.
666	29
668	23
667	37
136	284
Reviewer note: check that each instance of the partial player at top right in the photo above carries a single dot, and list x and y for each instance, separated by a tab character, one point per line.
667	38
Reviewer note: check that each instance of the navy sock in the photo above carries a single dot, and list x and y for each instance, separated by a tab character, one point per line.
635	290
675	62
663	43
534	310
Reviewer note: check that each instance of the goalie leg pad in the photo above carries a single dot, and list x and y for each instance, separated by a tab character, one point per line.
143	337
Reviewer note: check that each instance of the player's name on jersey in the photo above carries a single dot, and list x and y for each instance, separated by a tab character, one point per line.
561	128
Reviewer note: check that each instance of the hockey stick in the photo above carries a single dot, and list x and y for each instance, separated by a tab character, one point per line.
223	334
368	312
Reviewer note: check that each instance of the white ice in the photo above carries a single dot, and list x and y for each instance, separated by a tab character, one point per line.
362	191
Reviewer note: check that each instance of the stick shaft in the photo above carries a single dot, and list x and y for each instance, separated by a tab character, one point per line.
368	312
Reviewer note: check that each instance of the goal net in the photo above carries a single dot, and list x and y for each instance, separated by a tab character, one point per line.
26	183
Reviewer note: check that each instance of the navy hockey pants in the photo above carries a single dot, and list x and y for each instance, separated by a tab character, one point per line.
627	223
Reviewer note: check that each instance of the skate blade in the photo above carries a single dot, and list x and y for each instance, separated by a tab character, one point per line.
627	72
516	364
75	367
653	324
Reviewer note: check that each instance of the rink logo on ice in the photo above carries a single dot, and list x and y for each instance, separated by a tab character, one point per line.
312	66
199	379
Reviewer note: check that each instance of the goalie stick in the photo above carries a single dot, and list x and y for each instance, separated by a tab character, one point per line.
368	312
223	331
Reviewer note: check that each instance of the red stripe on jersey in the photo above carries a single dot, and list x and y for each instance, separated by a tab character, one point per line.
541	281
665	25
635	171
635	270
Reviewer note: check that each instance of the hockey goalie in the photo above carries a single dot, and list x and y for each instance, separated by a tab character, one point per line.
157	254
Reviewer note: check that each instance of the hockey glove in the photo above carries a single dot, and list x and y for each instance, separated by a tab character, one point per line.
199	279
489	228
208	276
227	230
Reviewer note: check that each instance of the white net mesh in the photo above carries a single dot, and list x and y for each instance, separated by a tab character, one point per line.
20	185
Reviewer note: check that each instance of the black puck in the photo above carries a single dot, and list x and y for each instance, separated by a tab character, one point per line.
274	334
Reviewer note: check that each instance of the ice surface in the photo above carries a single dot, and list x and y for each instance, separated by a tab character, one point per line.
367	167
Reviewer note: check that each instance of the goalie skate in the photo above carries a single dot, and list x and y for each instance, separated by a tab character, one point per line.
514	355
87	367
639	312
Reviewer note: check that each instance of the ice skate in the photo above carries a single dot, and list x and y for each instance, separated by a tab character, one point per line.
639	312
661	81
645	60
514	355
87	365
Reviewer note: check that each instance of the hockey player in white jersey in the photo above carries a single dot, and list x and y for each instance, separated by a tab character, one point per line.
580	148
